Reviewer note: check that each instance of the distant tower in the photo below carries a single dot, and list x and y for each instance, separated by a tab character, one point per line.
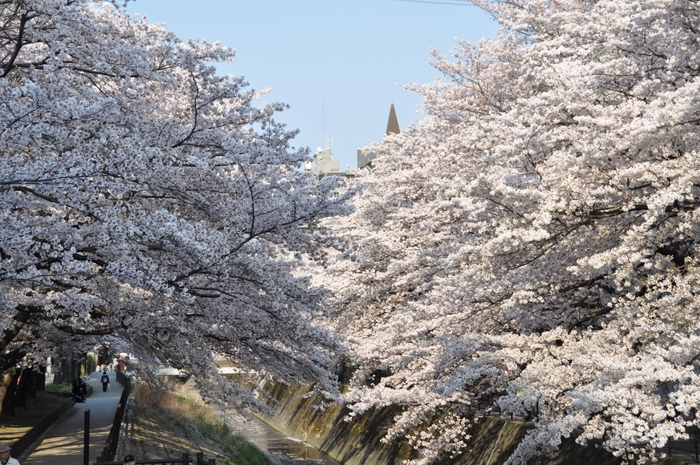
364	154
392	127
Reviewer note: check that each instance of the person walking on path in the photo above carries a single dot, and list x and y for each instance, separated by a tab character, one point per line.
5	458
63	444
129	460
105	381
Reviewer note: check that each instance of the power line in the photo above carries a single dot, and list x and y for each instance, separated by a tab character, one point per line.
457	2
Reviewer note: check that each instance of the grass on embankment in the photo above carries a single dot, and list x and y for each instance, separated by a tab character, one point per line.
13	427
172	422
60	389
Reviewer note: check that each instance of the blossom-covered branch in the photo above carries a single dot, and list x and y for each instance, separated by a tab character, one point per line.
535	238
148	203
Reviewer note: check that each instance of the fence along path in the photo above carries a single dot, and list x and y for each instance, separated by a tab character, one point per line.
186	459
63	444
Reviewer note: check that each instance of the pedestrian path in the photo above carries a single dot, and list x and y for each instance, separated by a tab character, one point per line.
63	444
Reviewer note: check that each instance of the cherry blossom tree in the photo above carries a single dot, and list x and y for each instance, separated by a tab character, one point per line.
535	238
148	203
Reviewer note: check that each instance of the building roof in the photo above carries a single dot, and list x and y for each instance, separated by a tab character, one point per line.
392	127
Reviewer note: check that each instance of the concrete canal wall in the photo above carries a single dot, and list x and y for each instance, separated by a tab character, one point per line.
352	443
358	442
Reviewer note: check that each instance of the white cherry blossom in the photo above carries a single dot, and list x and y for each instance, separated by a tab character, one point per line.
534	239
148	203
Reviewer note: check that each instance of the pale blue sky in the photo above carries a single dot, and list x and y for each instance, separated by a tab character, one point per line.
347	56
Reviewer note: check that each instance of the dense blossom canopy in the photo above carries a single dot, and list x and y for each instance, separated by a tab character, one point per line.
145	202
535	238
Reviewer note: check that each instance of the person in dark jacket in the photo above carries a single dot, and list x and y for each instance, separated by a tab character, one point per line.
105	381
79	390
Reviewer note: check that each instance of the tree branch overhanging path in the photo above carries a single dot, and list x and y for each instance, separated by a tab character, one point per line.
126	166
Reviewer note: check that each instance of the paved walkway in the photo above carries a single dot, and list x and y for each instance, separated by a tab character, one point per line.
64	442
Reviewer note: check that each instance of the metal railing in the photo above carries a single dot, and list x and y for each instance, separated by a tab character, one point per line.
123	379
686	448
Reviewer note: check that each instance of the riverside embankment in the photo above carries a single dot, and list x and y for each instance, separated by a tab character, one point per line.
358	442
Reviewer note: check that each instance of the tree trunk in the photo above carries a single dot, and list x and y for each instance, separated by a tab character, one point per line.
65	371
58	374
40	384
5	380
69	369
7	389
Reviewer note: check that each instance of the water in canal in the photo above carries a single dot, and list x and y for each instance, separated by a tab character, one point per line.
287	450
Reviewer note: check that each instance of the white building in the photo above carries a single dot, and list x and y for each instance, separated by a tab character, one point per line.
324	165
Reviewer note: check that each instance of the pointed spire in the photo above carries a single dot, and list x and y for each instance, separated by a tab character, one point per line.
392	126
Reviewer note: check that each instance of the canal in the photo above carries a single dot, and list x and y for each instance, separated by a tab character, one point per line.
285	449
